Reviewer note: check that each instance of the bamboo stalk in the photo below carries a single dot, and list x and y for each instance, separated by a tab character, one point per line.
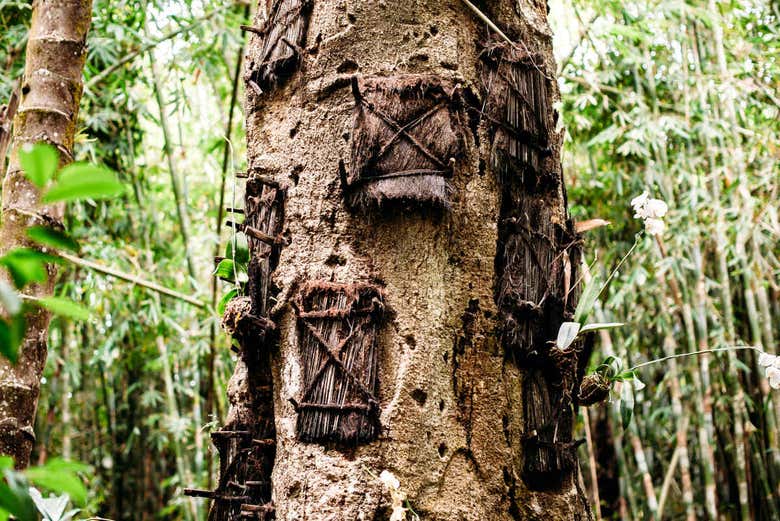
173	411
705	429
131	278
181	209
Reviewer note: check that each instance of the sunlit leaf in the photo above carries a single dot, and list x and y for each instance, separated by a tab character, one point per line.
590	294
26	265
64	307
600	325
15	497
224	300
39	163
84	181
626	403
224	269
566	334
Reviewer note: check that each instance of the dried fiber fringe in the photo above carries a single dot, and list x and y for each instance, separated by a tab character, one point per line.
333	409
288	20
433	190
407	137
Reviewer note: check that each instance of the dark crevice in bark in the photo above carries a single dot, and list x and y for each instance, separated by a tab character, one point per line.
462	379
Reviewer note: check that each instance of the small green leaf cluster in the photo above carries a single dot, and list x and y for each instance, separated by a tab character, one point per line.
29	265
233	269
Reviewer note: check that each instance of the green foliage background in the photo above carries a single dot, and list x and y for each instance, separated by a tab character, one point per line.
676	97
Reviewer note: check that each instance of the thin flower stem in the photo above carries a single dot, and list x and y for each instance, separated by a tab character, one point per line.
694	353
617	268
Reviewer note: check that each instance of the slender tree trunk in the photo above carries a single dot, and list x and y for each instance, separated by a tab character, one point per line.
419	271
48	112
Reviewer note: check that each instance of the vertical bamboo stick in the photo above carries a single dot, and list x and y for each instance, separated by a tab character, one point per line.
181	208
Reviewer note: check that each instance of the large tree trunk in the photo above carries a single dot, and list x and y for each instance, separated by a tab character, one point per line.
420	271
51	90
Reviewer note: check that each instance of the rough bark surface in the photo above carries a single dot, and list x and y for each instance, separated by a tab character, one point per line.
457	401
48	112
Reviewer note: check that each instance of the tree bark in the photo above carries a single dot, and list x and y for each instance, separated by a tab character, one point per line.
423	266
48	112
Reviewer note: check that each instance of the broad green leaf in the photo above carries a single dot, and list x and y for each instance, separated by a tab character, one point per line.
9	298
241	250
15	497
566	334
26	265
51	237
600	325
587	300
64	307
39	163
6	462
11	335
60	476
626	403
84	181
227	297
224	269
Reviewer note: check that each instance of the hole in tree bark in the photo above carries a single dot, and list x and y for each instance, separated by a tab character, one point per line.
420	396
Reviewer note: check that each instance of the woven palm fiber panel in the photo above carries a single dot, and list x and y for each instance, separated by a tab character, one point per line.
536	260
283	37
246	444
407	137
338	327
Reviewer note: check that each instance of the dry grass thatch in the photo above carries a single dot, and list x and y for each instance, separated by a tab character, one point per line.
338	343
407	137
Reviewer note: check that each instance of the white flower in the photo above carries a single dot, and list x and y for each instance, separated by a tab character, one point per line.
398	514
651	210
765	359
397	496
773	375
656	208
389	480
638	202
654	226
